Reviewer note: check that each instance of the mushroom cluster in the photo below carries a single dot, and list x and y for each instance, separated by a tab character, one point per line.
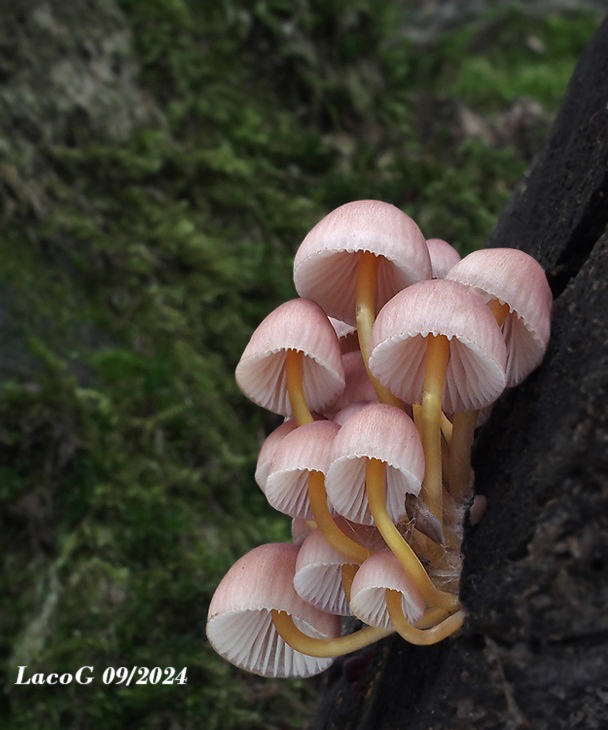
382	369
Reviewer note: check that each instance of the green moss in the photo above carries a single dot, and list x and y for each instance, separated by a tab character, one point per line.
509	56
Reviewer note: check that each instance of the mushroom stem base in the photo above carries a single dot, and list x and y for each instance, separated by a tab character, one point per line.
374	485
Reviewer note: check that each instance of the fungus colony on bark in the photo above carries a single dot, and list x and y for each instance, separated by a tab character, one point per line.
382	369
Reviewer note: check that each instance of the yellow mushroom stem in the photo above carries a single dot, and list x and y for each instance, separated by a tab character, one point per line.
293	369
417	416
463	431
421	637
298	640
326	523
374	486
348	572
316	481
437	356
446	424
431	618
365	315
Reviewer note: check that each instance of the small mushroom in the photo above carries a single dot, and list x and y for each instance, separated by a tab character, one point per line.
376	460
296	482
240	625
516	285
292	363
517	292
326	265
323	574
443	257
380	572
355	259
384	433
383	595
436	343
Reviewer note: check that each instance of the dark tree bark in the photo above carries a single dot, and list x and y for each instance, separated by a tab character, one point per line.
534	650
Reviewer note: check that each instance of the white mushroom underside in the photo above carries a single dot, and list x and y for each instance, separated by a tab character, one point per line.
334	283
472	380
525	347
524	350
268	384
287	492
249	640
345	483
369	605
321	585
512	276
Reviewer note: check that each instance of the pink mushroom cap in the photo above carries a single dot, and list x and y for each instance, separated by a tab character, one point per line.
516	279
318	576
296	325
268	449
443	257
306	449
345	414
239	625
325	265
380	432
358	388
378	573
475	374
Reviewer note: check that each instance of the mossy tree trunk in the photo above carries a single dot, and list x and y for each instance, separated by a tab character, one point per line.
534	649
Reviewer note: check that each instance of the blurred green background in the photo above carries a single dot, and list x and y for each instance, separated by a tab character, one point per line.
126	451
